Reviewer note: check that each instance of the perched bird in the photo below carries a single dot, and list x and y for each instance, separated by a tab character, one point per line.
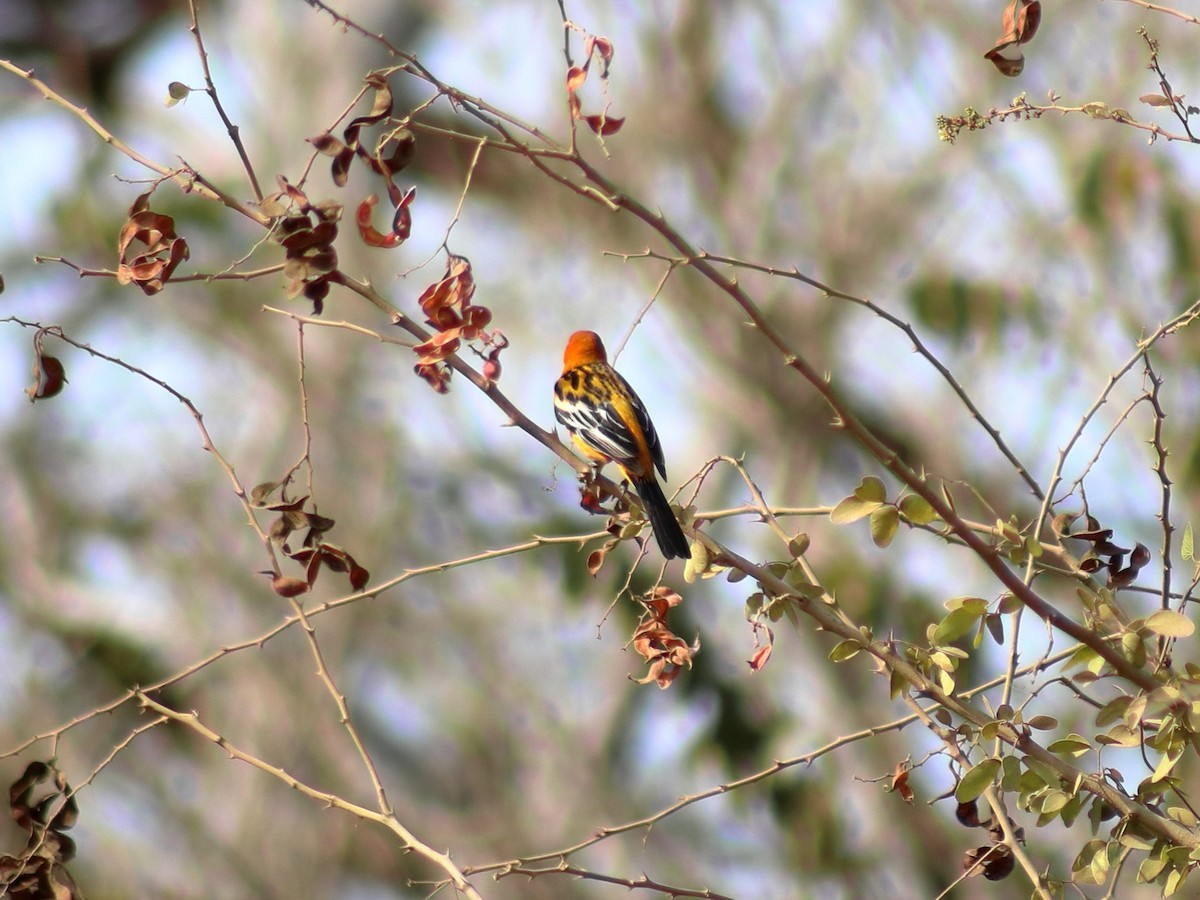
609	423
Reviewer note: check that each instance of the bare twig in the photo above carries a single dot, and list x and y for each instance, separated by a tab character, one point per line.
211	90
185	181
408	840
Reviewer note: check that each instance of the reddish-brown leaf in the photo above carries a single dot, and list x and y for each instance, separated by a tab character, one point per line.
436	374
288	587
48	378
326	143
604	47
900	782
596	559
438	347
760	656
576	76
1004	65
604	125
1028	20
371	236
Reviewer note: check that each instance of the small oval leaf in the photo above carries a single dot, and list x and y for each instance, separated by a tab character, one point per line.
871	488
977	780
884	522
1168	623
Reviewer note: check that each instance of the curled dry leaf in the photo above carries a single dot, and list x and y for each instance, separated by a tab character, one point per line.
438	347
48	373
967	814
900	782
1021	21
39	871
593	47
344	151
288	587
371	236
148	248
447	307
604	125
596	558
758	659
666	653
436	374
576	76
48	378
307	234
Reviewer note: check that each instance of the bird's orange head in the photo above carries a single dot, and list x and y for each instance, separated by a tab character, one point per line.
583	347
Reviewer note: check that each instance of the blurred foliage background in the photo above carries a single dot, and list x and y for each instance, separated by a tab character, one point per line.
1030	257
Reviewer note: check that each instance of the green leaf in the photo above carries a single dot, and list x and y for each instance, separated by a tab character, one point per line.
884	522
1040	770
1012	773
1150	869
176	91
1072	745
1165	765
917	510
977	780
1042	723
1054	801
1169	623
1081	868
1187	548
845	650
1133	842
995	627
871	489
851	509
958	623
1100	866
1082	657
976	604
1174	882
1072	810
1120	736
1113	710
1009	603
1183	816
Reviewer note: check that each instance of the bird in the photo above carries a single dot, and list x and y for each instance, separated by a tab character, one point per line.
608	422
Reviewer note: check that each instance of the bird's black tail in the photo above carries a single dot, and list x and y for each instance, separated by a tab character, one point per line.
671	539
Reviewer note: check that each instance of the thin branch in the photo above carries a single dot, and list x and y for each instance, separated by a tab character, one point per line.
349	326
644	883
950	127
261	639
186	183
211	90
206	438
1153	7
775	768
637	320
950	738
343	707
852	425
84	272
909	332
408	840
